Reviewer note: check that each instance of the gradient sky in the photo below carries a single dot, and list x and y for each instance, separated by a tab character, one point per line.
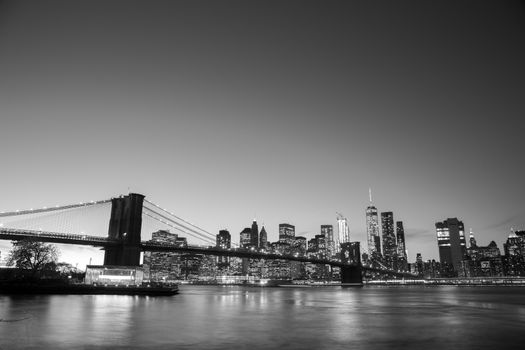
283	110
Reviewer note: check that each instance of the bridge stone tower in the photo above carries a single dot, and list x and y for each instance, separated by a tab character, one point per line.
125	225
351	254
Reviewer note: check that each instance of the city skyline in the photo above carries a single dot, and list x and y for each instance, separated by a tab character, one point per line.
175	101
250	235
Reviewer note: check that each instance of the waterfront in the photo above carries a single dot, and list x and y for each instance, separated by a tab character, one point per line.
214	317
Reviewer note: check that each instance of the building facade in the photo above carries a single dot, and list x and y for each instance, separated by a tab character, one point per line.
286	233
343	231
328	232
164	266
402	255
451	243
245	238
263	239
372	232
254	235
223	241
389	239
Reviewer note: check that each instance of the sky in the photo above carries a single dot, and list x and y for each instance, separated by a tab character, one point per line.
283	111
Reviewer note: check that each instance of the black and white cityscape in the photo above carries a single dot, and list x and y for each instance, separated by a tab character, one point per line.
459	261
274	174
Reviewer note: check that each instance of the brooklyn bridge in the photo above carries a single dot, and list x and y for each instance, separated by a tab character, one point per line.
123	243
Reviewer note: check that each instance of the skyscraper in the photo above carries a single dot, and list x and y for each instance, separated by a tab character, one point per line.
328	232
286	233
451	242
419	264
254	236
223	241
389	238
400	236
343	230
263	239
372	230
245	238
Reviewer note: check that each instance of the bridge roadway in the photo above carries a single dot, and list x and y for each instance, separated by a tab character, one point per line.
96	241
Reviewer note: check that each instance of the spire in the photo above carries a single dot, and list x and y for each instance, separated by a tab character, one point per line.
370	194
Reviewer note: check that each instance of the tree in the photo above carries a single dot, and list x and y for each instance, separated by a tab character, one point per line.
33	256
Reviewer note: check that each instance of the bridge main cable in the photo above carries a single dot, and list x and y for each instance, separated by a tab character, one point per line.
211	235
171	223
55	208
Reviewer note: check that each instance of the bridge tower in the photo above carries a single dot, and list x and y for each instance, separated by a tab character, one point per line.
351	254
125	225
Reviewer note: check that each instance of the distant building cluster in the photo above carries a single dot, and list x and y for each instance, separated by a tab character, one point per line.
173	266
386	246
457	258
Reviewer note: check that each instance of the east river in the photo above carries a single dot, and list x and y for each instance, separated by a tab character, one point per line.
214	317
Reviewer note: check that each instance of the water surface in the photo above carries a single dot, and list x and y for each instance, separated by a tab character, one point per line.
215	317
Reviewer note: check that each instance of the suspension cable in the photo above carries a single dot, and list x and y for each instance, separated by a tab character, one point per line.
193	233
210	237
178	218
46	209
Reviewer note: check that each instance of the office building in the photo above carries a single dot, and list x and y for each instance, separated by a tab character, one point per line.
254	235
299	246
372	232
400	238
164	266
389	239
223	241
451	243
286	233
263	239
343	230
514	259
328	232
245	238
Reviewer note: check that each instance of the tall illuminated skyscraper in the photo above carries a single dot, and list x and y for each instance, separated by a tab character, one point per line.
286	233
223	241
400	237
263	239
389	238
254	235
451	242
328	232
245	238
343	230
372	229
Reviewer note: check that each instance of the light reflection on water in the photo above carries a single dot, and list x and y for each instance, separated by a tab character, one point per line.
270	318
